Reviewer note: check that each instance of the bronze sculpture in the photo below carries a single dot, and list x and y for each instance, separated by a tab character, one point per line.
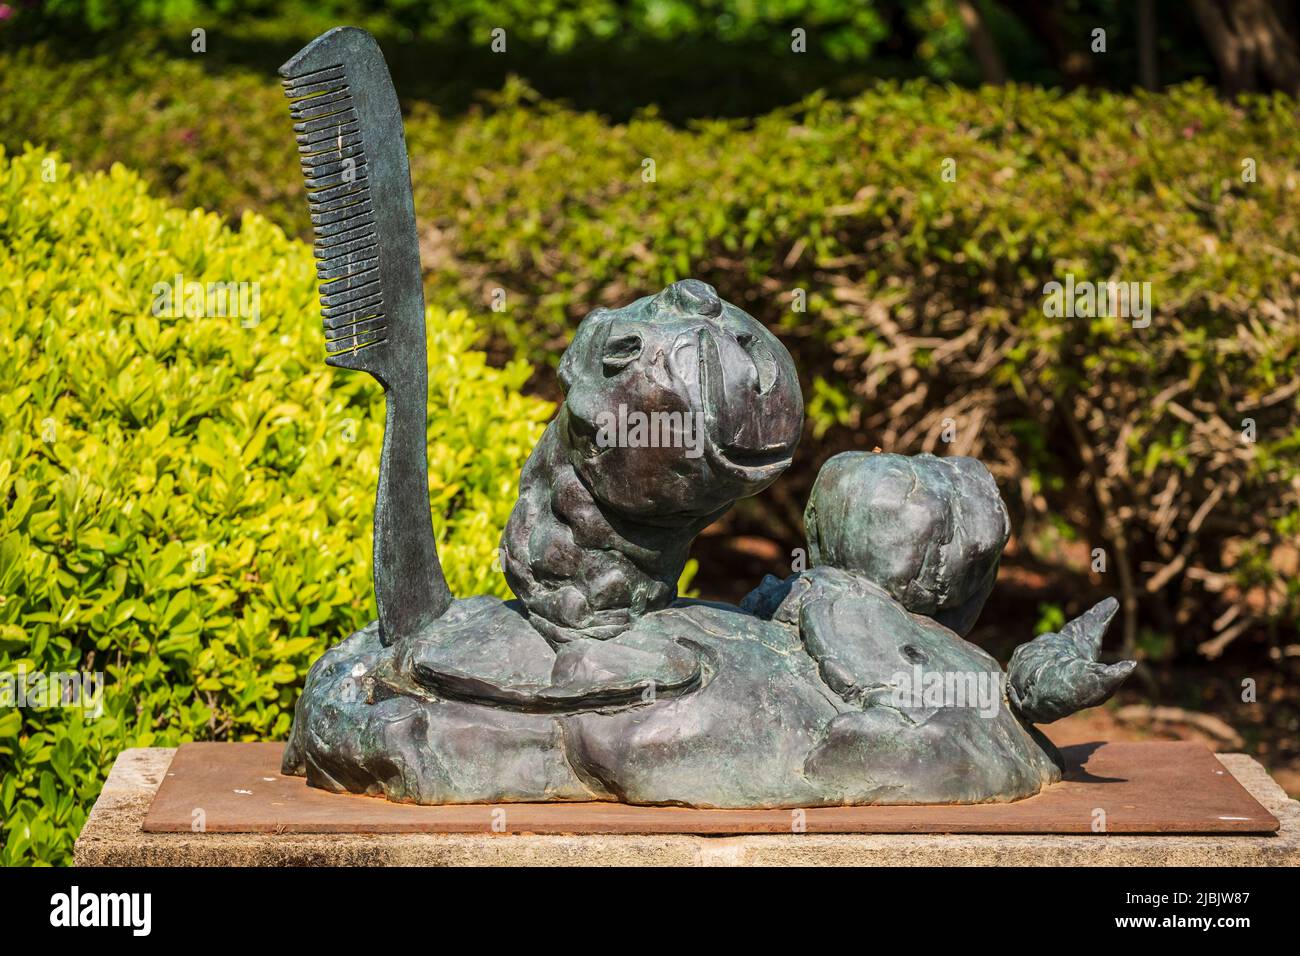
848	683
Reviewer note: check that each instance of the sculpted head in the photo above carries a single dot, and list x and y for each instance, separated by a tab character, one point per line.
678	404
928	530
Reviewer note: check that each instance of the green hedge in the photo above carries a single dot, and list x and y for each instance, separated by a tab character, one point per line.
843	31
185	502
924	297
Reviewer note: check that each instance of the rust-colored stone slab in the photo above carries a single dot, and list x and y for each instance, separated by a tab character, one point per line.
1162	787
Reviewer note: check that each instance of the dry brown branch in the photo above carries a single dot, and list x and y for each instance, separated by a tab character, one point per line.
1215	645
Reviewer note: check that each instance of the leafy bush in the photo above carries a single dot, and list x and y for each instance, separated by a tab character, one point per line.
185	501
925	301
848	31
219	143
924	314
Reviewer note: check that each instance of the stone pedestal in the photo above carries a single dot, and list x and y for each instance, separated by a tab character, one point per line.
114	835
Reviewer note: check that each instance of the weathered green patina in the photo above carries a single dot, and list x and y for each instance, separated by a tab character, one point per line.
847	683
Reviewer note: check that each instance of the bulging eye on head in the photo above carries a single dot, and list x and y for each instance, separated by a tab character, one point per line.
621	350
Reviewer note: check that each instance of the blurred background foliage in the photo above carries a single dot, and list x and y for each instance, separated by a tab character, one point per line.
696	58
808	188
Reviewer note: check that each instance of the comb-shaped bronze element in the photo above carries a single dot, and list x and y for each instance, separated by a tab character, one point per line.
353	155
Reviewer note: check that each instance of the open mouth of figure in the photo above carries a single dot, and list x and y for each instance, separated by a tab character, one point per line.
749	458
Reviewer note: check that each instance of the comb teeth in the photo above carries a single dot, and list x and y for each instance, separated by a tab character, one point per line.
334	166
